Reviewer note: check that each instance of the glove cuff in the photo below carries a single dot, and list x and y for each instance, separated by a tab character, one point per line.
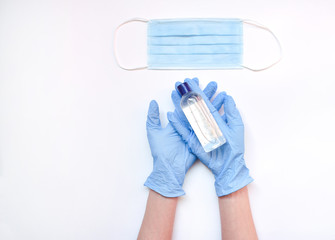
163	185
164	191
231	181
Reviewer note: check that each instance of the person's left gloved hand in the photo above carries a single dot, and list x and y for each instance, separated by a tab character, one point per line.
170	153
227	161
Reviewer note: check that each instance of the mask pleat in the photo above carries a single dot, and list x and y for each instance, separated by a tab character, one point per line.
195	44
194	27
197	49
197	61
195	40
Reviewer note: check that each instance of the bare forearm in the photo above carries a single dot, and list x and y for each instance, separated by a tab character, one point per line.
159	217
236	217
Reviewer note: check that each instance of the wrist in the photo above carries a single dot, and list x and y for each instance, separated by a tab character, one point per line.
159	217
162	199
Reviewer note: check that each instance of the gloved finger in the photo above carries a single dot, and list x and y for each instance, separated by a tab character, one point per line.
218	100
194	84
233	115
196	80
183	131
210	89
153	121
176	99
195	87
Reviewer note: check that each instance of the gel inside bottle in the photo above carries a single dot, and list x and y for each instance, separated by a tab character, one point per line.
200	118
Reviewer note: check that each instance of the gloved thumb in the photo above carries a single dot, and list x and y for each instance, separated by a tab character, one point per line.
210	90
218	100
231	112
183	131
153	121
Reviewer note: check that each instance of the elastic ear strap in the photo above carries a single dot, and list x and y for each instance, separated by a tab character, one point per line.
253	23
114	43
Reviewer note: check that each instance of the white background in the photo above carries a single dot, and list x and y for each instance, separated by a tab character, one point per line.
73	148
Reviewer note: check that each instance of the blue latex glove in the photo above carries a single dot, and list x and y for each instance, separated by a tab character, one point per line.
171	154
226	162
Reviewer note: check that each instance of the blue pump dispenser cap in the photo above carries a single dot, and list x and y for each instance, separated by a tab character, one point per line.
184	88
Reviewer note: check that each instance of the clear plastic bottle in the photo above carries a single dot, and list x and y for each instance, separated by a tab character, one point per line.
200	118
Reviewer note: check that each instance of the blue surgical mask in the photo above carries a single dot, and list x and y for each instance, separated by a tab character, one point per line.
209	43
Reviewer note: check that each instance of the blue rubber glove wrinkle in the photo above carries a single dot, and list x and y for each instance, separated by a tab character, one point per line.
226	162
171	155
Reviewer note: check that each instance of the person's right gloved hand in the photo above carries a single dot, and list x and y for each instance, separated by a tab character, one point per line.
171	155
227	161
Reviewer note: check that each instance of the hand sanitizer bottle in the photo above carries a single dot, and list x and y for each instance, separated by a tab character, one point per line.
200	118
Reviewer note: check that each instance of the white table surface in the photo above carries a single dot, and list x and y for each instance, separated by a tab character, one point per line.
73	148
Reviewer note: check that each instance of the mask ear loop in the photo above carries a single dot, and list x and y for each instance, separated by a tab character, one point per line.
253	23
114	43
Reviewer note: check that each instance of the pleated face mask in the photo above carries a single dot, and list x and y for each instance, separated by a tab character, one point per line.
215	43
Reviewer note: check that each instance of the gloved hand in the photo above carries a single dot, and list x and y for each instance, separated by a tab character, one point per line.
227	161
170	153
